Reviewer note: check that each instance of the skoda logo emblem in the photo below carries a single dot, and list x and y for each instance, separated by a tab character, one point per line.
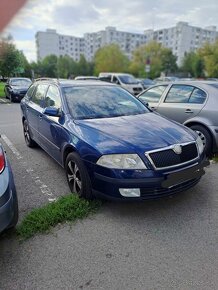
177	149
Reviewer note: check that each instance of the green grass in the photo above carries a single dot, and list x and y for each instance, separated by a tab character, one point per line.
66	208
215	158
2	94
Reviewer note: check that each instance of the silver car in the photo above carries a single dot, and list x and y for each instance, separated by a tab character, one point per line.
192	103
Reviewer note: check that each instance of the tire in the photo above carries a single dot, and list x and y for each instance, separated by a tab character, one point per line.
77	176
29	141
11	99
205	137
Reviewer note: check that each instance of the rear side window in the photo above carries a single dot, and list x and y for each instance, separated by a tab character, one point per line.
179	94
38	95
185	94
197	97
153	95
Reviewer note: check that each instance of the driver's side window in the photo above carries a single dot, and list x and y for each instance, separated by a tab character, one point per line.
53	98
152	95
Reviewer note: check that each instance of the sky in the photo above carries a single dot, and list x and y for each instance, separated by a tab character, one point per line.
76	17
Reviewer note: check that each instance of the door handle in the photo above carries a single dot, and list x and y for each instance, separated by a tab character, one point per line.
188	111
40	116
153	108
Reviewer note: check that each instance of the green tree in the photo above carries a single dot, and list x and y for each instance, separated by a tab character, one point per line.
49	66
66	66
193	64
10	59
110	58
161	60
209	55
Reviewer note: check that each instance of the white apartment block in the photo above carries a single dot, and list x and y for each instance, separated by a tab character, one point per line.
181	39
50	42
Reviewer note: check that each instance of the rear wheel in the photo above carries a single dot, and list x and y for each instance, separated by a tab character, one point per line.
29	141
205	137
77	176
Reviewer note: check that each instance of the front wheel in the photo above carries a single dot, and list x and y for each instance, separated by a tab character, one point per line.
205	137
29	141
77	176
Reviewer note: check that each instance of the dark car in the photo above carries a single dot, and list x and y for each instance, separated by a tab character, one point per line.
109	143
192	103
8	195
146	83
16	88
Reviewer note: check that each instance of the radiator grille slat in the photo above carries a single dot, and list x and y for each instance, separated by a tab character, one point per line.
168	157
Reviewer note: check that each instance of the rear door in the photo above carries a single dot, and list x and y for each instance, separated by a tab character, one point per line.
182	102
50	128
34	109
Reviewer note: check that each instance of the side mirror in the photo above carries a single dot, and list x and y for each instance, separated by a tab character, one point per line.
52	111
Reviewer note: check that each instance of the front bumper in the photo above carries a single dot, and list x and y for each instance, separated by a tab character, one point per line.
151	184
17	96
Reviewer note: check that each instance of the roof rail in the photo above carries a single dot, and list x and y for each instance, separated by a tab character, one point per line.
47	79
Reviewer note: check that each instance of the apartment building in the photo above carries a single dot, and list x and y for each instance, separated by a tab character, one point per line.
181	38
50	42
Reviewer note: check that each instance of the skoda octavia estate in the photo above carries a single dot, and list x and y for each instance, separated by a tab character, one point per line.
110	144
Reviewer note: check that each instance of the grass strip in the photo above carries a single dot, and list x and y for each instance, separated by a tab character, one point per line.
2	93
215	158
66	208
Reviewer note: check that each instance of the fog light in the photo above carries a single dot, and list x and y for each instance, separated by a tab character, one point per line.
130	192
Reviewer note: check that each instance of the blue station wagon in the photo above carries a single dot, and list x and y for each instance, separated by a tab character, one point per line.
110	144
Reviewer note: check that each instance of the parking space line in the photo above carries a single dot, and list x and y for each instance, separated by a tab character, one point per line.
42	186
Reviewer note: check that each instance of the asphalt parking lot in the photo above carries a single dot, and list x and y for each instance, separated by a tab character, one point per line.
162	244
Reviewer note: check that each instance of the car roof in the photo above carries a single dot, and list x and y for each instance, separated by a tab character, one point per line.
67	83
193	83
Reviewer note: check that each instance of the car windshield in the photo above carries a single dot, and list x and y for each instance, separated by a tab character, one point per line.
128	79
148	82
21	82
92	102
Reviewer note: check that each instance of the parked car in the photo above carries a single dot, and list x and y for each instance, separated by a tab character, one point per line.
8	195
146	83
192	103
165	79
126	81
109	143
16	88
86	78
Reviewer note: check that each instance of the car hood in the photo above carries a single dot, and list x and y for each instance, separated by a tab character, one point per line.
138	133
20	87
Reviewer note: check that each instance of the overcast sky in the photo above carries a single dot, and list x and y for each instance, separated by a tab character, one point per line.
75	17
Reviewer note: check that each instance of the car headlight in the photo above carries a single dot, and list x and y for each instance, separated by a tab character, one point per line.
121	161
200	145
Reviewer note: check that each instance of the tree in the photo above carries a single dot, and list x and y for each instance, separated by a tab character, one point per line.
10	59
160	59
110	58
193	64
209	55
50	66
66	67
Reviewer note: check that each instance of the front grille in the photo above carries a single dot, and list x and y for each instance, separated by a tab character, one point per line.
168	157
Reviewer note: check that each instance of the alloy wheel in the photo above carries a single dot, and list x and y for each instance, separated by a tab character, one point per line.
26	132
74	177
202	136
